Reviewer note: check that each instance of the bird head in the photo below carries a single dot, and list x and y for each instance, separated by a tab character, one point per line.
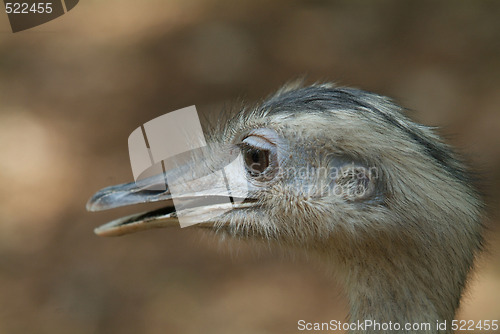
316	164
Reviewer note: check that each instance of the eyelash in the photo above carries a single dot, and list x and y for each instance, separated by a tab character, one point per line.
260	143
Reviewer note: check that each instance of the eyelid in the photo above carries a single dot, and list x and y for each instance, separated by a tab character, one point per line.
258	142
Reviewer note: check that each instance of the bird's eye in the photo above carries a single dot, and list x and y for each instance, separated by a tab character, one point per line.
259	156
256	160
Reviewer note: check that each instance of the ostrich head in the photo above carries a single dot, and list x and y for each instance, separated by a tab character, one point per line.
343	174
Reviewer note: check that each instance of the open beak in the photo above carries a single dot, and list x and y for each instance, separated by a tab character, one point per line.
191	196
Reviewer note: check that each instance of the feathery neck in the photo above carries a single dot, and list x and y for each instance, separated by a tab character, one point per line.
399	281
398	298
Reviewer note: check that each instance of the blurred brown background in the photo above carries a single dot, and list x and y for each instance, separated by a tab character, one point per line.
72	90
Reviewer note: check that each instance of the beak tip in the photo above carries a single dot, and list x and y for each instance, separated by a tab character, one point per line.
99	231
92	205
102	200
89	207
106	231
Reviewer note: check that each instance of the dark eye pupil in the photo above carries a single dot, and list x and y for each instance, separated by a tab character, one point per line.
256	161
255	156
